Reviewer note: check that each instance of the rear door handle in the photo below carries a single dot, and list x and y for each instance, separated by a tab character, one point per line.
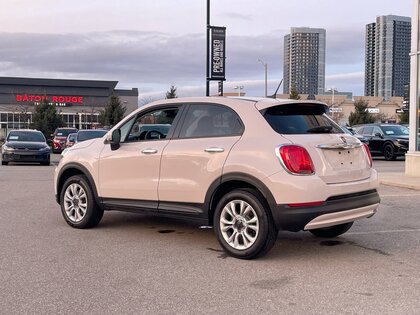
149	151
214	150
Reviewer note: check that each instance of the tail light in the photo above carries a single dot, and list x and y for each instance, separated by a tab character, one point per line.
367	151
296	160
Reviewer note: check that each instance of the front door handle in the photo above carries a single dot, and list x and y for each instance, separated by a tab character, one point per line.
214	150
149	151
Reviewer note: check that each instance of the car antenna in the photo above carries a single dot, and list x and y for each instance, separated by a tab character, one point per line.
275	93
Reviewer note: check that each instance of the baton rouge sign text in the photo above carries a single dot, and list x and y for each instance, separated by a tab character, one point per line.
53	98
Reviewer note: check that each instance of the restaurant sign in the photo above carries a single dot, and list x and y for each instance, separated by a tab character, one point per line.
20	98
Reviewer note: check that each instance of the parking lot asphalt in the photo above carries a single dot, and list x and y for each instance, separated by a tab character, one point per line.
141	264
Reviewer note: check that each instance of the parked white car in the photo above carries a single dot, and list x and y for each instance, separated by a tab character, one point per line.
249	167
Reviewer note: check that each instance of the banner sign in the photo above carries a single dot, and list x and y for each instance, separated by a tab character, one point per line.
218	45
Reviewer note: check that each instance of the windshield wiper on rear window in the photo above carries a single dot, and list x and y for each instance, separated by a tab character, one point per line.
320	129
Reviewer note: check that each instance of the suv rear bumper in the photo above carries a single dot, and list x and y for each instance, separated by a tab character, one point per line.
335	210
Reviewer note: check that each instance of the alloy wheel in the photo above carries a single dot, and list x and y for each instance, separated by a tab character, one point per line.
239	224
75	202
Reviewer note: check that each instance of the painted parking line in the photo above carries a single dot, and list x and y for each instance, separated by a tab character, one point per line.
383	232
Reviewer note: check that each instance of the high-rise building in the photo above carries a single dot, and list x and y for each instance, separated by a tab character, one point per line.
304	61
387	56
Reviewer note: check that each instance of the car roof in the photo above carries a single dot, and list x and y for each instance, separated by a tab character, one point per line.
377	124
91	130
30	130
232	101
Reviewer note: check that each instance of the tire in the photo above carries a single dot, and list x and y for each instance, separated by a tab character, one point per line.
46	163
332	231
248	224
389	152
4	163
78	204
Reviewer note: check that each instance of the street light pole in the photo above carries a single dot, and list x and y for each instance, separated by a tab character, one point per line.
332	90
239	88
265	76
208	50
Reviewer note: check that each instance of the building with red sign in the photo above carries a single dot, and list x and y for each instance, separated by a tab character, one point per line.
79	102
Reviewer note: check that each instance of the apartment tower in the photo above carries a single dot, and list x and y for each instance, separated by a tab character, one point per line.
387	56
304	61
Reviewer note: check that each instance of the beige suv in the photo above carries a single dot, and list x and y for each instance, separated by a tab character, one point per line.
249	167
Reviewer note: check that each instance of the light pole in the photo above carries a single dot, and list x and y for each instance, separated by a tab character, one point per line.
332	90
265	77
239	88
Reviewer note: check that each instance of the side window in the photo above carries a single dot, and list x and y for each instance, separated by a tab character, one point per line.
360	130
368	131
210	121
153	125
125	128
377	130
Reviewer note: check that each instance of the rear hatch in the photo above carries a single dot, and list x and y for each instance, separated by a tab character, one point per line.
337	157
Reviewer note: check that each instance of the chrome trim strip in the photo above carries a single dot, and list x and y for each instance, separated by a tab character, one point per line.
339	146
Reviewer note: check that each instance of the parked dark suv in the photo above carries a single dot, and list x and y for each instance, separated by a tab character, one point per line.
388	140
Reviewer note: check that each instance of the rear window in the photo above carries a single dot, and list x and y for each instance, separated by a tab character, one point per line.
300	119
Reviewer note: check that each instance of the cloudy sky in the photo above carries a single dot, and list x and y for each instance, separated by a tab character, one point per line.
152	45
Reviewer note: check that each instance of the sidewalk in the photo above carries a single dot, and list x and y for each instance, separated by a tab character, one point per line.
399	180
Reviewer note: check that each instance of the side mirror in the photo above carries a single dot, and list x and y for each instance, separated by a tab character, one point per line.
114	139
379	135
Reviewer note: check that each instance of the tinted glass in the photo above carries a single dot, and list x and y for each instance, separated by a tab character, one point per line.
210	121
153	125
377	130
368	130
30	136
300	119
84	135
72	137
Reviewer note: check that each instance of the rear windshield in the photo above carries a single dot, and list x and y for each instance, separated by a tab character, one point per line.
300	119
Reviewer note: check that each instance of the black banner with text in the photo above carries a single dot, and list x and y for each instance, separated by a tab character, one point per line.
218	45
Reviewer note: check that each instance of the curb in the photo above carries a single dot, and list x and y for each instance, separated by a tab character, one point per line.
399	179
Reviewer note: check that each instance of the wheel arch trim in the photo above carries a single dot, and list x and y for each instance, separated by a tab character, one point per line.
80	169
240	177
